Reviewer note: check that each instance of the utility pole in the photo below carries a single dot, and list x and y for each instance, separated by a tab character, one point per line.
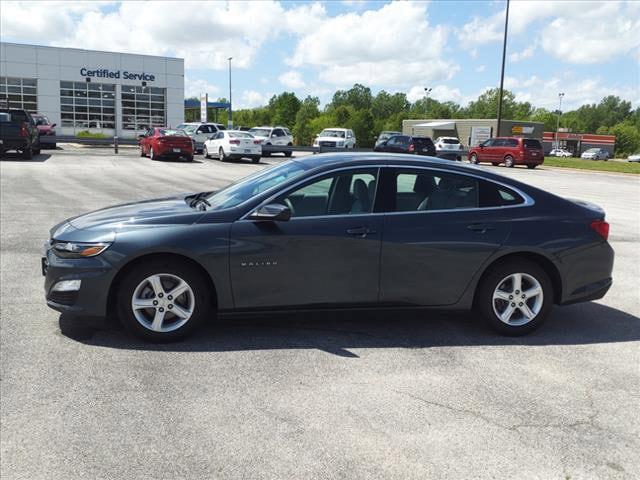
504	53
560	95
427	91
230	121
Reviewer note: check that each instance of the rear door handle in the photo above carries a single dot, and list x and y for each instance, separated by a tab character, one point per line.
360	231
480	227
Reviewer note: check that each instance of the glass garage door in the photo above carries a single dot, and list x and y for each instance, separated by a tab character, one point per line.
143	107
21	93
87	105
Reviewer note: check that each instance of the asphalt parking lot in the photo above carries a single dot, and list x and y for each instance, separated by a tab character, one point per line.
330	395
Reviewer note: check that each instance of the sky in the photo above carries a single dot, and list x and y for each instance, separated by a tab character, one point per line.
586	50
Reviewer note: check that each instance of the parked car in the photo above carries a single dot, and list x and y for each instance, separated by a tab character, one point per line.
335	137
159	143
385	135
560	152
18	132
407	144
595	154
330	231
448	147
273	136
508	150
45	129
233	144
634	158
200	132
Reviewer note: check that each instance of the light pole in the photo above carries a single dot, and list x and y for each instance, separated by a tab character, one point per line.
560	95
504	53
230	121
427	91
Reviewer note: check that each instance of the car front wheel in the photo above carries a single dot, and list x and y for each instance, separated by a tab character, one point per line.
163	300
508	161
205	152
515	297
473	159
221	155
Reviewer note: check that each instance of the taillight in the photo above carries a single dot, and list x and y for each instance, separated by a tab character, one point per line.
412	148
235	142
23	131
601	228
257	142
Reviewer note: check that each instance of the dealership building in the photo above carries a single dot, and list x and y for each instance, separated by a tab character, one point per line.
86	90
471	132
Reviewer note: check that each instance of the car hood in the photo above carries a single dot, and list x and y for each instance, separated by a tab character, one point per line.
110	220
330	139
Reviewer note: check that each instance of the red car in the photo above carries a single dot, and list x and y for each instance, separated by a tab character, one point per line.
45	129
161	142
508	150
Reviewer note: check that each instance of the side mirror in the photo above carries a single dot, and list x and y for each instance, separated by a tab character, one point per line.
272	212
481	146
53	125
141	136
273	135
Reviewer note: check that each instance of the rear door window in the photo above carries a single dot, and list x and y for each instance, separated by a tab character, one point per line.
531	143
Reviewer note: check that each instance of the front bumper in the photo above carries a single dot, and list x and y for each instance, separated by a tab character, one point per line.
96	275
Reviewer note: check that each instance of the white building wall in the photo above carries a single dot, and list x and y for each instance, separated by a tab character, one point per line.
50	65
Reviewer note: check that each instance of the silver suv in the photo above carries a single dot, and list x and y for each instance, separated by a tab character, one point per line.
200	132
273	136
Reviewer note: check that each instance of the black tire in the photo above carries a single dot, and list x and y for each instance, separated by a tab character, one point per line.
495	164
151	155
202	307
53	146
266	154
473	159
255	159
189	158
205	152
142	152
36	151
288	153
27	153
484	300
508	161
221	155
531	167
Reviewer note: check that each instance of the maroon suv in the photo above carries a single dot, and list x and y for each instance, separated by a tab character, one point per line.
508	150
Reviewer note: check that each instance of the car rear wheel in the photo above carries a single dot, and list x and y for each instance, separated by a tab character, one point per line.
205	152
221	155
163	300
495	164
151	154
255	159
508	161
531	167
515	297
473	159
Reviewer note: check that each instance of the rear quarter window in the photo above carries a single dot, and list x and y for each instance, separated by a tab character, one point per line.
530	143
494	195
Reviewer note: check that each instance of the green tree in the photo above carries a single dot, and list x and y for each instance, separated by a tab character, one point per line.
612	110
303	129
627	138
361	122
359	97
550	119
284	108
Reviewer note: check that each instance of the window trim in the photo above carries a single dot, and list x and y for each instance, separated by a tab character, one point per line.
528	201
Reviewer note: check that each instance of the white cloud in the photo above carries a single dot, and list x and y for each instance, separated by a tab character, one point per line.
480	68
252	99
205	38
573	31
292	79
364	47
526	53
195	87
441	93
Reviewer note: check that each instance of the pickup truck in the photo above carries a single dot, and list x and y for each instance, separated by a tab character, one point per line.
18	132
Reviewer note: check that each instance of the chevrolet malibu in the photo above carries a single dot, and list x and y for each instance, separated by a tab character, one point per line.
333	231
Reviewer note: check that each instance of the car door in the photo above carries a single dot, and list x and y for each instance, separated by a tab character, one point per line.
485	152
328	253
435	236
277	137
394	144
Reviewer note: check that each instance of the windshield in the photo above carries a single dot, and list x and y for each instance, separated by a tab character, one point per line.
41	120
385	135
450	140
177	133
190	128
592	150
248	187
260	132
332	133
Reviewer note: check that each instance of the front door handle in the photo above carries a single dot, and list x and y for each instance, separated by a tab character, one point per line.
360	231
480	227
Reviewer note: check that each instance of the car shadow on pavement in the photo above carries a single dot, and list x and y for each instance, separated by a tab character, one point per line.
341	332
17	157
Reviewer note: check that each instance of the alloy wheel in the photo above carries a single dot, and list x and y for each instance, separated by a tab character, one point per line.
163	302
518	299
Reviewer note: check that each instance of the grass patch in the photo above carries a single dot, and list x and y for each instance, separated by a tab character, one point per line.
599	165
88	134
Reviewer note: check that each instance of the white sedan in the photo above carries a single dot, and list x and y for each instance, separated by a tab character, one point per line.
233	144
560	152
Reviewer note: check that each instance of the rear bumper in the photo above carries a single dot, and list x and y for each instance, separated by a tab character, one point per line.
587	274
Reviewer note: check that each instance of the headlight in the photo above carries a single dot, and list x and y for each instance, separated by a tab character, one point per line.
78	250
340	144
